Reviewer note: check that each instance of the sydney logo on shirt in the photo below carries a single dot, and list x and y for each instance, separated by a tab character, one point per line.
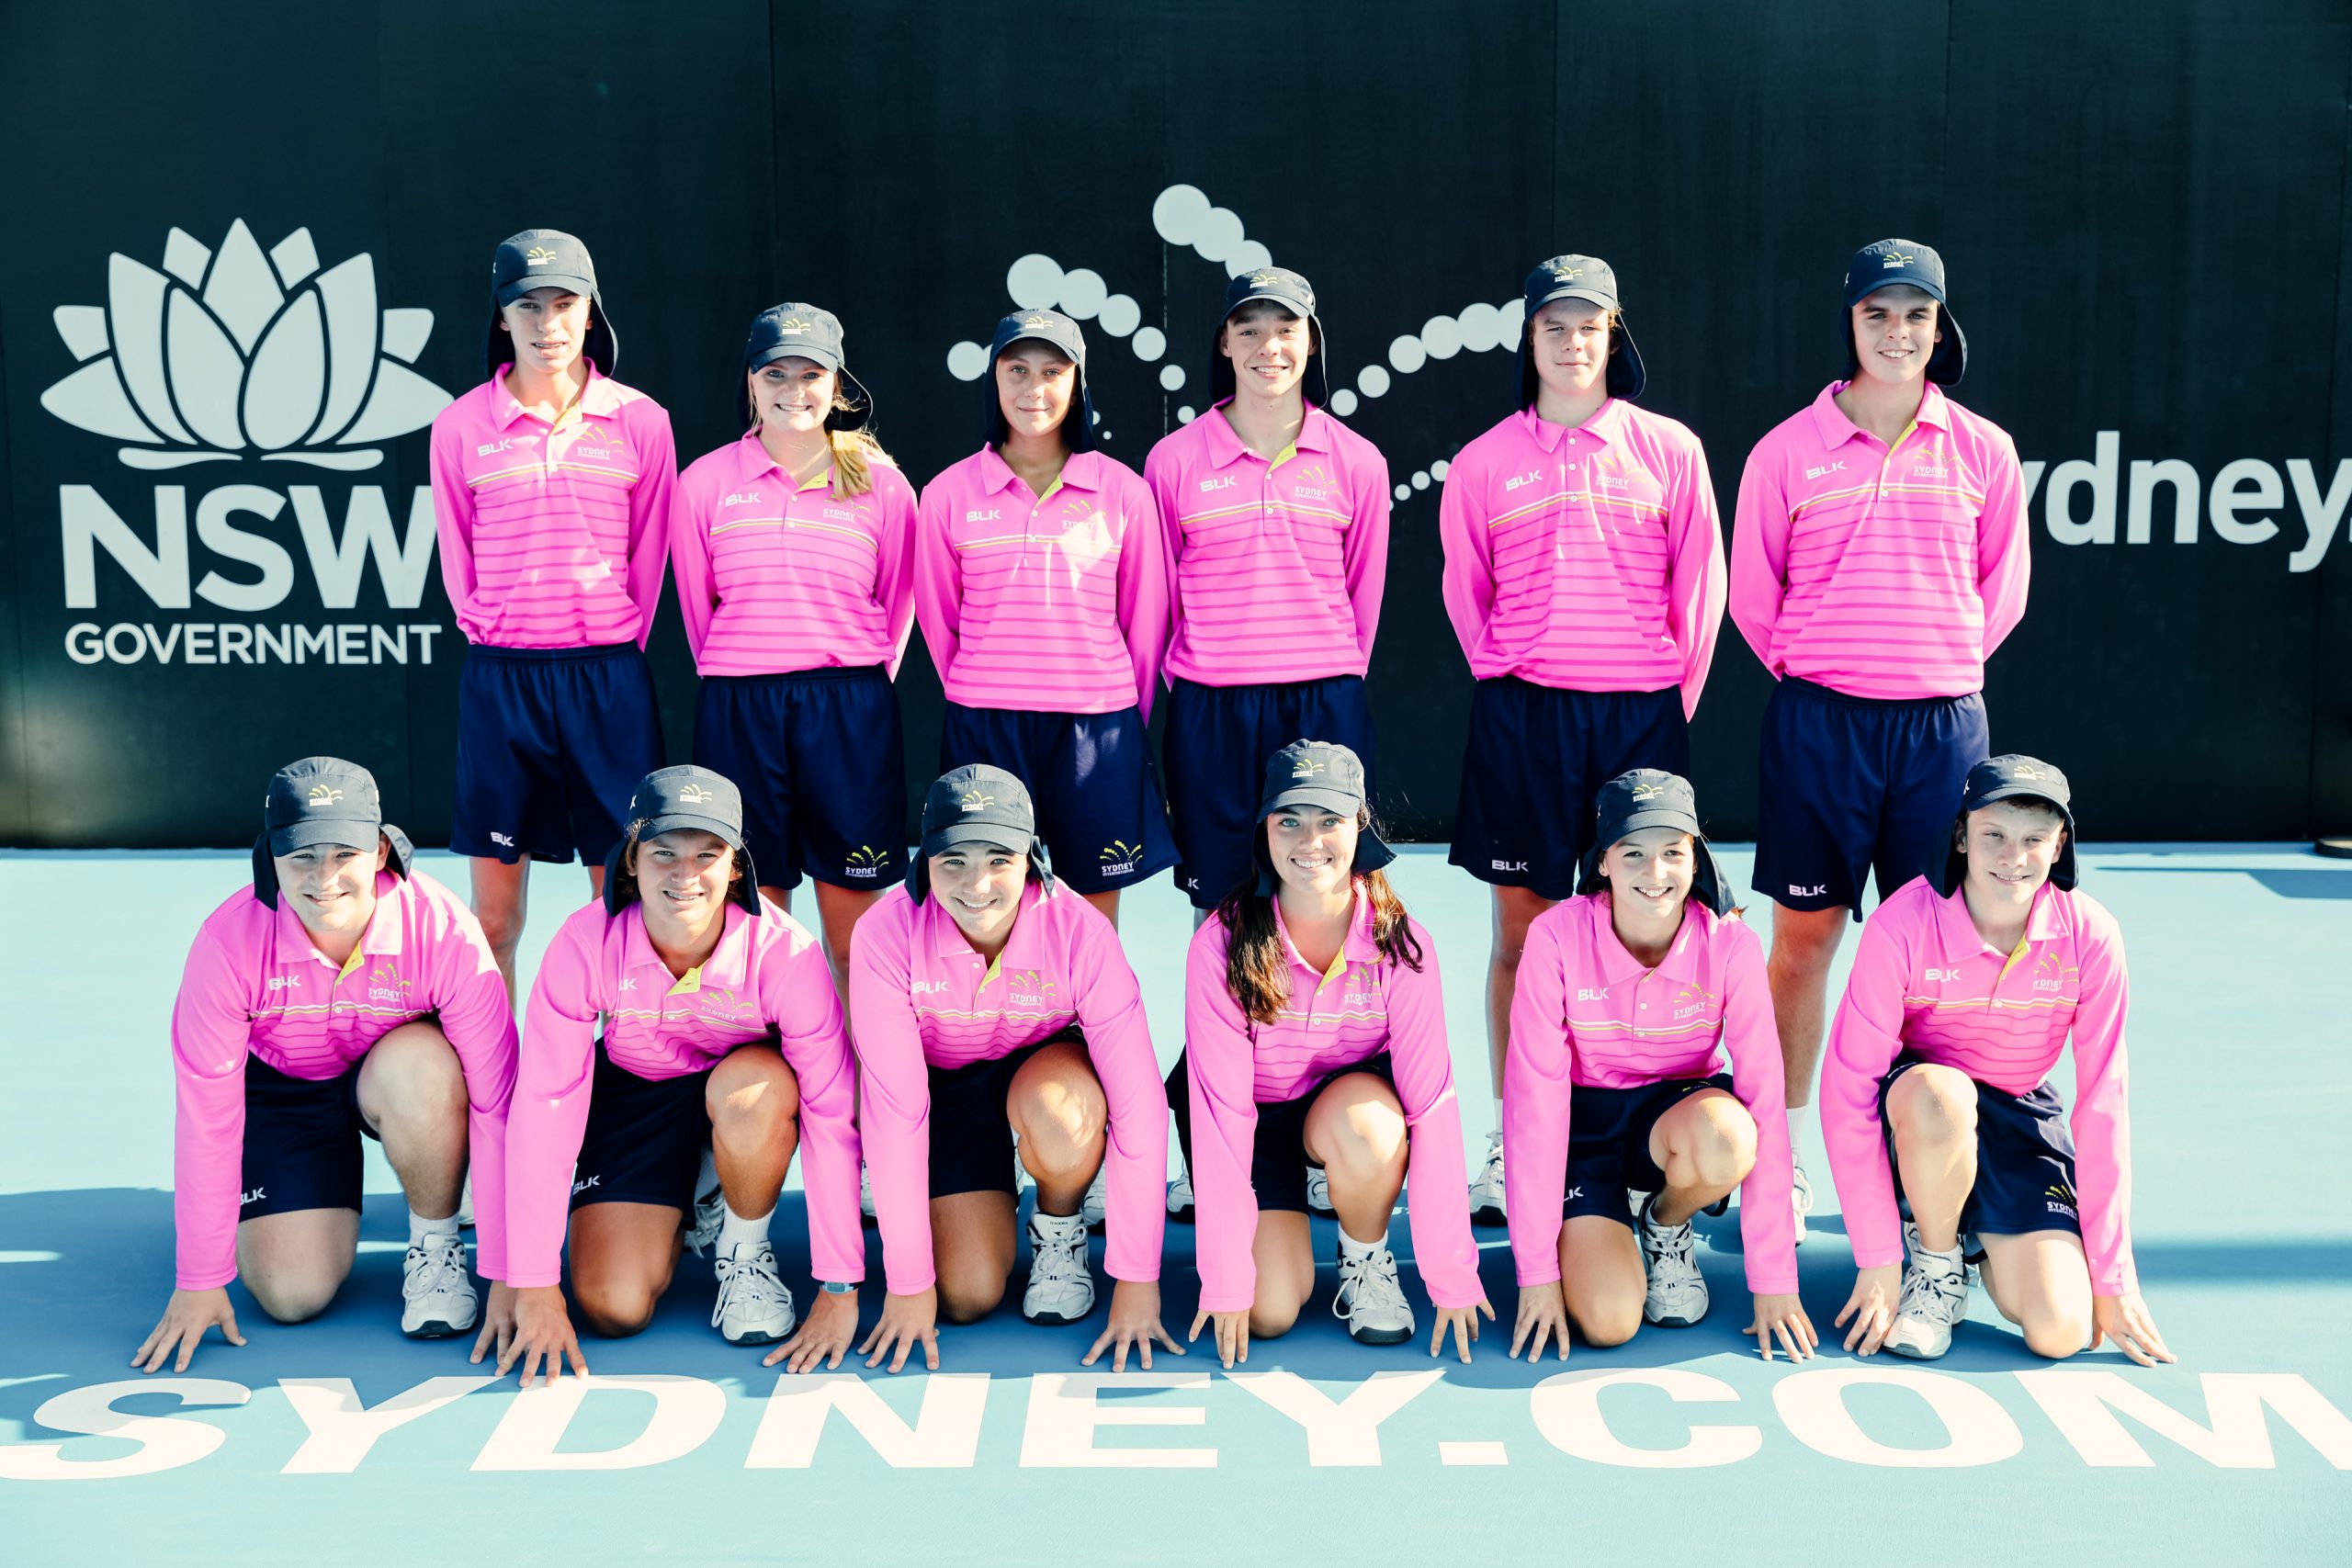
1311	483
1691	999
385	985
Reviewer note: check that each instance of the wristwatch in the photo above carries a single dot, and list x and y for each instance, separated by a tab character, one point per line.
836	1288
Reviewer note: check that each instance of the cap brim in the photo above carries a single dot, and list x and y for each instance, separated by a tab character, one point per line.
1346	804
808	351
1654	816
505	296
1290	302
671	822
1607	301
357	833
1011	840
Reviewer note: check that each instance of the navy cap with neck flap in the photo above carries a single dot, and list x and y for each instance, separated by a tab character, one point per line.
1058	330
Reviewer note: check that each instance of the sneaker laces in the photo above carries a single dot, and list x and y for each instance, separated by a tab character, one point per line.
1055	1258
1493	1170
1668	1243
750	1278
430	1270
1934	1291
1368	1284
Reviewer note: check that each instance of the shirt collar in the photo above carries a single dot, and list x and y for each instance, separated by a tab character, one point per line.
2047	919
1607	426
600	398
1359	946
726	964
1080	470
1683	955
1837	429
947	939
753	460
381	938
1225	446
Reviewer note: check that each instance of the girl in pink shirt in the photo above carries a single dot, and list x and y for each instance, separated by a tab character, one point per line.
1043	597
794	548
680	1018
1314	1033
1613	1112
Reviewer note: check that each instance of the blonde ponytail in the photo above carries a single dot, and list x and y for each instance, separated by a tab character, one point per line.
854	453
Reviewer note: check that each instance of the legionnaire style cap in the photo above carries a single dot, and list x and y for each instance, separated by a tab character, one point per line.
1905	261
1578	277
1047	327
1327	775
668	799
798	330
978	803
1651	797
2007	777
546	258
1292	293
320	800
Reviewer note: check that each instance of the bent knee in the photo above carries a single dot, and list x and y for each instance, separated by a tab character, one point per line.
968	1301
1934	1102
1726	1151
1603	1324
754	1100
296	1299
2056	1335
614	1309
1272	1320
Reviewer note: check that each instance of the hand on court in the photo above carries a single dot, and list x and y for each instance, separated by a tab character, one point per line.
1542	1311
905	1322
825	1334
1871	1306
1232	1335
1463	1321
1783	1316
185	1318
1134	1320
2125	1320
497	1324
542	1331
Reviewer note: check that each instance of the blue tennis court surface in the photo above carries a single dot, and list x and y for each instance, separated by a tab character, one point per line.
340	1440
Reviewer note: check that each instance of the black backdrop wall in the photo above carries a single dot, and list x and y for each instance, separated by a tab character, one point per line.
2143	203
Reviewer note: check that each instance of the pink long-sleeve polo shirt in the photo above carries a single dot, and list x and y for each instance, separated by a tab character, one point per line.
1590	559
1274	570
765	981
1361	1006
1924	982
773	579
1880	572
1057	602
551	536
923	999
256	985
1588	1014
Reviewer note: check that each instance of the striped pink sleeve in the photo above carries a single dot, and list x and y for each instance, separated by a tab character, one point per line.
690	555
1119	1041
2004	557
1767	1234
1696	587
894	572
1537	1088
1222	1083
938	587
453	513
1864	1040
1144	587
470	995
1468	584
1364	553
1160	481
797	997
894	1093
2102	1121
648	510
547	1116
211	1032
1759	544
1437	1198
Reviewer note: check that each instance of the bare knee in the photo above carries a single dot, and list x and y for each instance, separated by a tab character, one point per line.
294	1296
1605	1323
1723	1152
752	1104
615	1309
1062	1128
2055	1332
969	1298
1934	1105
1272	1320
1805	941
1370	1145
502	927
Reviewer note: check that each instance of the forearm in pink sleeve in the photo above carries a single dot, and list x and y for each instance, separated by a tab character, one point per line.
210	1035
1767	1224
453	519
548	1116
690	560
2102	1122
938	590
894	1104
649	522
894	580
1695	603
1759	533
807	1015
1537	1091
1223	1114
1437	1197
479	1026
1366	555
1163	504
1468	584
1143	592
2003	550
1110	1015
1864	1040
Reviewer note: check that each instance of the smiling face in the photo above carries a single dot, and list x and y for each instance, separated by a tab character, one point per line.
980	886
2010	846
1313	848
1895	333
331	887
683	877
1269	347
1035	385
1568	345
1650	871
549	330
792	394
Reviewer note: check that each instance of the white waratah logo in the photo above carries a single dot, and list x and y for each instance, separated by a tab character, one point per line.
229	351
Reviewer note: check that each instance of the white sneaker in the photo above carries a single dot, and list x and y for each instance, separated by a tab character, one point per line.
1677	1296
1319	1191
466	1204
866	1193
438	1297
1061	1290
1371	1302
1180	1198
1934	1297
754	1307
1800	1197
1097	1200
1487	1191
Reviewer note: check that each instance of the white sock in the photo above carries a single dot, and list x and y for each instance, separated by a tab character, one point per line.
1059	1227
423	1232
1351	1248
1949	1257
1498	1113
735	1230
1797	1119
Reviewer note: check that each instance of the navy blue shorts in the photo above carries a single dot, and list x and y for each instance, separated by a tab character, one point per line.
1214	752
1609	1144
1533	768
971	1139
1090	775
1277	1157
1853	783
645	1138
550	744
2025	1160
821	762
301	1142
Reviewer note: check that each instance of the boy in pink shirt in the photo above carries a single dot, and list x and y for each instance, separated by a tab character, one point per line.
1276	522
1314	1033
550	487
992	1002
1583	576
795	552
1043	599
681	1017
1878	557
342	995
1629	996
1944	1133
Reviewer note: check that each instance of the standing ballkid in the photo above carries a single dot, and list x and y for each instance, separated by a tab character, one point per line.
1276	522
1878	558
1314	1033
993	1001
1629	996
1584	575
681	1012
1944	1133
342	995
795	570
1044	600
550	486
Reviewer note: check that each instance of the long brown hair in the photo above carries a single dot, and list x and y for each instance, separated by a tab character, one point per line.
1257	971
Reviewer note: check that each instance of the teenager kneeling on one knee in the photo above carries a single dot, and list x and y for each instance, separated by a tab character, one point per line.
1618	1125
